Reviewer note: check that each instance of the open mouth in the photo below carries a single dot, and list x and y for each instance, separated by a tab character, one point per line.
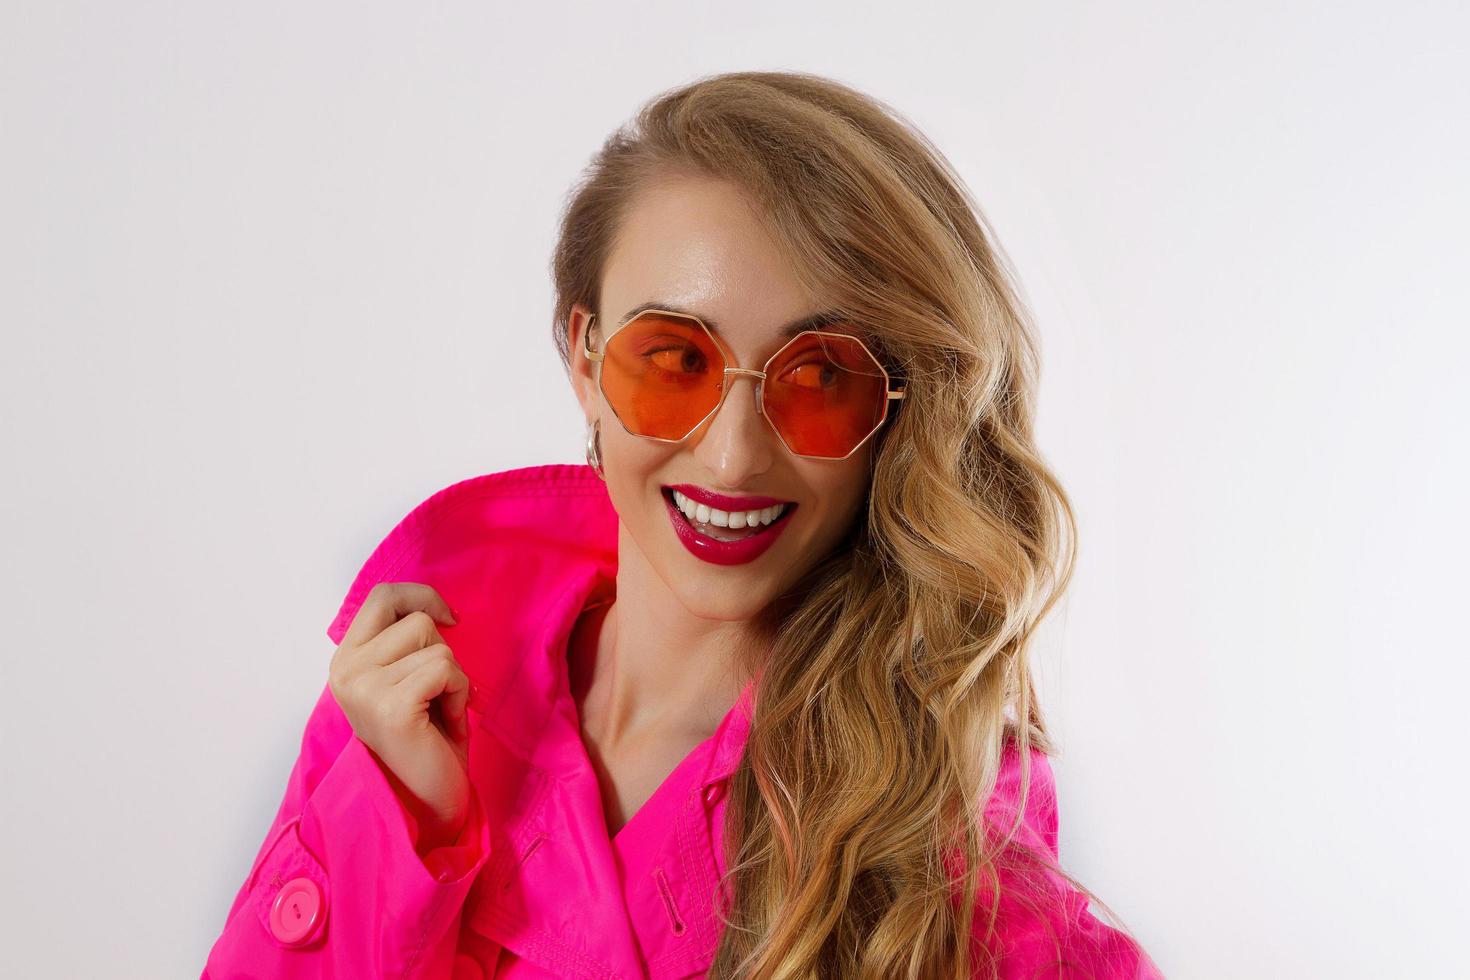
689	512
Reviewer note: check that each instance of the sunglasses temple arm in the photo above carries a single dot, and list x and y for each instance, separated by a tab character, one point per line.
588	352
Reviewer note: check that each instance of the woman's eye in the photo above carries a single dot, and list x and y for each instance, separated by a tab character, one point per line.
677	360
812	374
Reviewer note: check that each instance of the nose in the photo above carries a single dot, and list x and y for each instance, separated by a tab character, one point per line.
737	443
731	374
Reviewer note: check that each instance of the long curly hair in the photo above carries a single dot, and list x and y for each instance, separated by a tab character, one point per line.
899	669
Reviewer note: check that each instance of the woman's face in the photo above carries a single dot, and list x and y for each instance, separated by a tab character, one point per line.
696	246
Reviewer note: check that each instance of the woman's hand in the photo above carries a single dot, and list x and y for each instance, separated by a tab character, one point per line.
406	698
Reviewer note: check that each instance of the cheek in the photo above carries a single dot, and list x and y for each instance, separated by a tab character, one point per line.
632	466
626	453
845	488
856	493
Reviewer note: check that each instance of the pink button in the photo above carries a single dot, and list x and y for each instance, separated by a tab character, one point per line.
297	912
714	791
466	967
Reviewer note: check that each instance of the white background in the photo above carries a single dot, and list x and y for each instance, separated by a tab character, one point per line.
274	273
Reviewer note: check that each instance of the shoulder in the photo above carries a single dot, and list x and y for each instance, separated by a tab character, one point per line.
1025	783
538	520
1045	927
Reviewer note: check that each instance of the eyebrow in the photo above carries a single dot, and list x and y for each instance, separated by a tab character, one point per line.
815	321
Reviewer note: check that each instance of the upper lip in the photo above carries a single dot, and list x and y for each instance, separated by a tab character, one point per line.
720	501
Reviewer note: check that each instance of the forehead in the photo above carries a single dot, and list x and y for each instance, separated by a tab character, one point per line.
698	247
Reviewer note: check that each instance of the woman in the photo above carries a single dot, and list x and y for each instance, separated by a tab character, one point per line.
742	697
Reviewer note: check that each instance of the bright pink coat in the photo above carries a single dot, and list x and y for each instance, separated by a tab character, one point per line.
534	887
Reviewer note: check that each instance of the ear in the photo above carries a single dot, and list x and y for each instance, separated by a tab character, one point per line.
583	369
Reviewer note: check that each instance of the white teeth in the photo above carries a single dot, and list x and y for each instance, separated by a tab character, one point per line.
724	518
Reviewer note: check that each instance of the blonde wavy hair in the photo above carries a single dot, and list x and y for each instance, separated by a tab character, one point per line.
899	666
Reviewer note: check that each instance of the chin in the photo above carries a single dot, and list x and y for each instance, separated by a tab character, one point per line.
720	605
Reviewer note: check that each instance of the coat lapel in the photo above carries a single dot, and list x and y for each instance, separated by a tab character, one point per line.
550	892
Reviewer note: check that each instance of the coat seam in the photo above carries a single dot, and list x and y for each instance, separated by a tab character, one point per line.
423	935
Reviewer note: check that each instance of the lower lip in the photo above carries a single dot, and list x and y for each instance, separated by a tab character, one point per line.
725	552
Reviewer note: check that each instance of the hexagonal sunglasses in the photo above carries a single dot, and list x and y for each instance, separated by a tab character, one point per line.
664	374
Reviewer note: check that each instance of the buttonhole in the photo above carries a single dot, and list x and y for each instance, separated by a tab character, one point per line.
668	896
535	843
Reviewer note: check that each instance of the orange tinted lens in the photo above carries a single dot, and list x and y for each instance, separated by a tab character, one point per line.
825	394
661	375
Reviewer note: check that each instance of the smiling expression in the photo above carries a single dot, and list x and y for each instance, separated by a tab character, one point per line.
696	245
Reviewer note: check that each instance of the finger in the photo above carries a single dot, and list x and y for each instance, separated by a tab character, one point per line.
389	602
399	669
457	704
431	680
412	633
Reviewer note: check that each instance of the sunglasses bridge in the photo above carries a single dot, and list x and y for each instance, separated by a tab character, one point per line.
759	377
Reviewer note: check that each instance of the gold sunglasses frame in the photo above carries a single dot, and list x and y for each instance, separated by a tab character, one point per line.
725	386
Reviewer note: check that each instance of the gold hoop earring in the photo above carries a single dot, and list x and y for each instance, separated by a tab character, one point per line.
594	447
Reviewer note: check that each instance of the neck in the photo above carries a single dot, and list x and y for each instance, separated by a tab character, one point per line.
651	666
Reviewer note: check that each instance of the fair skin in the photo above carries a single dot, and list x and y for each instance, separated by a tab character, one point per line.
391	675
665	669
654	673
